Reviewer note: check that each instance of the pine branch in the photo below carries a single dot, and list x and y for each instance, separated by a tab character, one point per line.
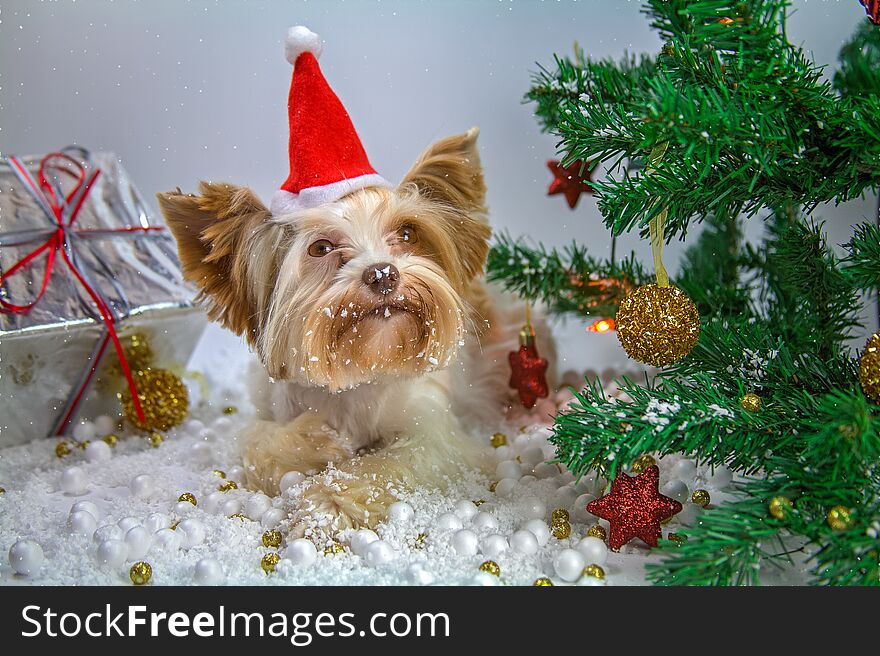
862	264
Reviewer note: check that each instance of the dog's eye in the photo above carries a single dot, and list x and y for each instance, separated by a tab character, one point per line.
321	248
408	235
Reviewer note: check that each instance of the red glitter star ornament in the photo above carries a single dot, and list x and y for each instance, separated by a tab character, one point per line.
635	508
568	181
528	370
872	8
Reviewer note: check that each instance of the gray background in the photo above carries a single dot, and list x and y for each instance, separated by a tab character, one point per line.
190	90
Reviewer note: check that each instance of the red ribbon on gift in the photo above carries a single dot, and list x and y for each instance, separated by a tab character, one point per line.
62	210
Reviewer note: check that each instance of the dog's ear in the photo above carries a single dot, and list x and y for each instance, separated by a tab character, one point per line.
449	172
213	231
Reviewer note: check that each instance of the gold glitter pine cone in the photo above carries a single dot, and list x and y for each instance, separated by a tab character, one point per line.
164	399
657	325
869	368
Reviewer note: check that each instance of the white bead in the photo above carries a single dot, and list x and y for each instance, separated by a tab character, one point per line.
533	508
207	435
524	542
566	477
418	575
88	506
26	557
494	545
684	469
591	581
98	451
569	564
221	424
230	507
211	503
503	453
301	552
235	473
522	440
594	550
157	521
508	469
127	523
290	479
465	542
400	512
74	481
675	489
84	431
578	510
689	514
564	497
167	540
449	522
525	480
505	487
183	508
256	505
81	522
362	539
108	532
271	518
484	579
720	478
209	571
192	426
139	541
587	484
193	532
142	486
201	452
545	470
112	553
379	553
104	425
466	510
539	529
484	520
533	455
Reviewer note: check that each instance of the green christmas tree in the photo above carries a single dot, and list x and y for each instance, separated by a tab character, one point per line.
749	130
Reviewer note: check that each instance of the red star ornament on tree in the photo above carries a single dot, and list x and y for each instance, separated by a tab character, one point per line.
872	8
568	180
635	508
528	371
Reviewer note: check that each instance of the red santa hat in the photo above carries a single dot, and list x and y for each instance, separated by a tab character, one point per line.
327	160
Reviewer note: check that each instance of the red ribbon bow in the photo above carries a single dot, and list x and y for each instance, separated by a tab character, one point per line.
63	210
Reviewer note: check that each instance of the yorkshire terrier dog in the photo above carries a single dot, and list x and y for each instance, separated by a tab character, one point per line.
383	351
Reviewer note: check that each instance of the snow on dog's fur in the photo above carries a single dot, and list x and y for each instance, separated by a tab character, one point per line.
383	351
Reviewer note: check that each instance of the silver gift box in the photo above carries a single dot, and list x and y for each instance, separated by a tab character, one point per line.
48	353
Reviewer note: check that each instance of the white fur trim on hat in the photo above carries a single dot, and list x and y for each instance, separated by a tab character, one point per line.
285	202
301	39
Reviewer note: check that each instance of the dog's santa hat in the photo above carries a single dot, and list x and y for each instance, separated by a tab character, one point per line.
327	160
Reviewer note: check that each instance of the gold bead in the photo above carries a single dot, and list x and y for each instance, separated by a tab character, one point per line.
111	439
163	397
561	529
559	515
239	515
499	439
155	439
230	410
228	485
189	497
780	507
657	325
219	473
269	562
869	368
642	463
492	567
140	573
595	571
138	352
421	540
82	445
596	531
479	502
493	486
333	548
62	449
701	498
272	539
840	518
543	582
750	402
174	525
2	490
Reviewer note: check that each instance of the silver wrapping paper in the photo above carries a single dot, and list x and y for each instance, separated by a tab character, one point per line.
46	353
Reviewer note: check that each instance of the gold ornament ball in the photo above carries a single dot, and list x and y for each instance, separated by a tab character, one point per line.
82	445
140	573
155	439
840	518
869	368
493	486
269	562
138	352
751	402
272	539
479	502
657	325
779	507
421	540
333	548
701	498
492	567
228	485
164	400
642	463
62	449
596	531
2	491
499	439
561	529
595	571
189	497
219	473
239	516
559	515
543	582
111	439
230	410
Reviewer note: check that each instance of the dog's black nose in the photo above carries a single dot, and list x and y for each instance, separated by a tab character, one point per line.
382	278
